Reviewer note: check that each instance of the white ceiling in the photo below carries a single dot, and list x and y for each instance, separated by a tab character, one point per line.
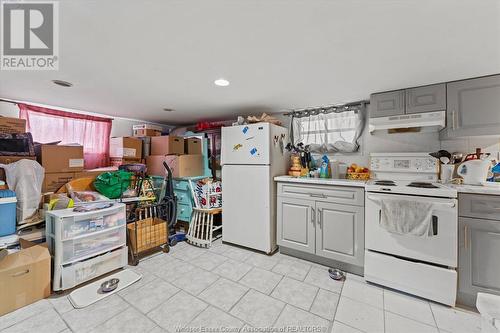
132	58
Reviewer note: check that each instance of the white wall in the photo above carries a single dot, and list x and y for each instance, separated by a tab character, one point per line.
120	127
413	142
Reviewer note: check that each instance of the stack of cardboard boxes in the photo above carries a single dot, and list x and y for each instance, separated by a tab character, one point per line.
183	156
11	126
125	150
61	164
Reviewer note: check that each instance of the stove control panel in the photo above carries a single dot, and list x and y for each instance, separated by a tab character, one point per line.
404	164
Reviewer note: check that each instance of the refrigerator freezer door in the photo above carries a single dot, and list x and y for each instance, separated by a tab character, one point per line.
246	207
246	144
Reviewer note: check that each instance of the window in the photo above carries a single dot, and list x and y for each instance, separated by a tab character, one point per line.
329	132
47	125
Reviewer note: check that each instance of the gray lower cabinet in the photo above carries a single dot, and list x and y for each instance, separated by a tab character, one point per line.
296	227
337	229
386	104
426	98
472	107
322	225
479	268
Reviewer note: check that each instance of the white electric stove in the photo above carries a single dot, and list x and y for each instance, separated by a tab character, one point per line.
423	266
410	187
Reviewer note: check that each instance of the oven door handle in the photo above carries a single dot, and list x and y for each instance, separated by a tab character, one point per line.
378	199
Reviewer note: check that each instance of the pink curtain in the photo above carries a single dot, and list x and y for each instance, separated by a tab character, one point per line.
48	125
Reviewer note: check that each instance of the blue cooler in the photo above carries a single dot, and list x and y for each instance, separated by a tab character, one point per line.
7	212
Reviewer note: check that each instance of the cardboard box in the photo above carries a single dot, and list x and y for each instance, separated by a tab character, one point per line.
185	165
24	276
146	132
148	126
125	147
167	145
193	146
11	159
54	181
117	161
12	125
93	173
56	158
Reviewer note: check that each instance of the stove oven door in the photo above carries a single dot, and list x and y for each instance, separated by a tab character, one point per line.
441	248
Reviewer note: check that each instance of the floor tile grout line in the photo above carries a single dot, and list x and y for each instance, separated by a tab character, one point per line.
364	303
30	316
279	314
433	315
358	329
116	314
410	318
314	299
277	284
239	299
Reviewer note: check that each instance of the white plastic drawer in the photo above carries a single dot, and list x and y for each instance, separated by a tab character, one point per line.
77	249
86	224
83	271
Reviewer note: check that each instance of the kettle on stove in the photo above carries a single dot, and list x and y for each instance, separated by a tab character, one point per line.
474	172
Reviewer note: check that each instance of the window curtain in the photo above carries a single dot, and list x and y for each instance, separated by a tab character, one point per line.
328	132
48	125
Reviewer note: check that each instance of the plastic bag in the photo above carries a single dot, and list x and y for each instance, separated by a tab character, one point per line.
113	184
84	195
25	177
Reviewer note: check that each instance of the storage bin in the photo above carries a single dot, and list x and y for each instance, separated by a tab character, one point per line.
147	234
69	224
78	226
85	245
86	270
8	202
78	248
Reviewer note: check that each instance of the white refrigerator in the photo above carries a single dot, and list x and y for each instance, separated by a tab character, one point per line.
252	155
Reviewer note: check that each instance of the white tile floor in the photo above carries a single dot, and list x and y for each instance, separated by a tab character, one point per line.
228	287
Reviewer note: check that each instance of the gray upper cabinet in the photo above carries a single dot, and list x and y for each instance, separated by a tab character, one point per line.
473	107
340	232
391	103
426	98
295	219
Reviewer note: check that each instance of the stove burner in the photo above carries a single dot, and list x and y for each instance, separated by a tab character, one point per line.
385	183
422	185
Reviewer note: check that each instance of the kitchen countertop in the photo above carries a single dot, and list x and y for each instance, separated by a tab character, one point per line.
321	181
476	189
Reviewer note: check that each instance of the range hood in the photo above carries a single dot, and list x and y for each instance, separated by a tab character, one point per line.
423	122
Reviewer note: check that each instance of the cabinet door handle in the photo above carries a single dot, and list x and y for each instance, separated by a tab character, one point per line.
317	195
453	119
319	217
466	229
312	215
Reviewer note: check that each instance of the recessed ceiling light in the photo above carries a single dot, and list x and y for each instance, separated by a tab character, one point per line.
168	109
221	82
63	83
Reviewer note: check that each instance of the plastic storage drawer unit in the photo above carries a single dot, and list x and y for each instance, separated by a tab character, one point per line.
7	212
86	270
85	245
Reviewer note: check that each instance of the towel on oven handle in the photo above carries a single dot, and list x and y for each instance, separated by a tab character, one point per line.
406	217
